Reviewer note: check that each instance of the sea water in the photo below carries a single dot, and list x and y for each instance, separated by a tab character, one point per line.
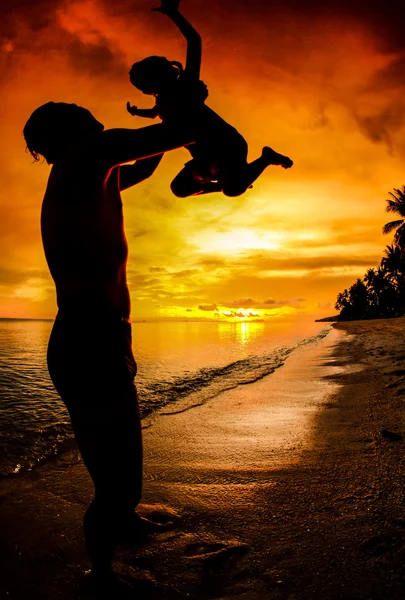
180	364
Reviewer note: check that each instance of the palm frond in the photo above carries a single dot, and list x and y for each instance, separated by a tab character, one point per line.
388	227
396	202
398	194
399	236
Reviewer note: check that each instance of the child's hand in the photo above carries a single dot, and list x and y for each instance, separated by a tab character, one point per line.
132	109
167	6
195	90
202	90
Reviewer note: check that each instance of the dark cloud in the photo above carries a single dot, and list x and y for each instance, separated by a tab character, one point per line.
267	262
37	15
243	302
390	77
208	307
138	279
244	314
33	28
184	273
139	233
96	59
259	304
29	25
382	16
384	19
9	276
380	127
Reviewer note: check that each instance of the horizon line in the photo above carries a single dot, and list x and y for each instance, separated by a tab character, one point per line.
179	319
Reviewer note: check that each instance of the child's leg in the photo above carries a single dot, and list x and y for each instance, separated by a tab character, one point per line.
186	183
237	175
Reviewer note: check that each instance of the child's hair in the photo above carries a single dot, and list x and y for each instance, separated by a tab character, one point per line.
55	125
153	72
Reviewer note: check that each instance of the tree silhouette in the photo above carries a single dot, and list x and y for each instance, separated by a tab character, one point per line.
381	293
396	205
354	303
393	262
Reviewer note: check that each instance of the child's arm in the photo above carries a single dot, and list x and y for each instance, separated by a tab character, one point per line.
148	113
194	47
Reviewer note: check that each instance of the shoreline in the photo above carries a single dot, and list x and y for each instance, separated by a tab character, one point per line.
325	520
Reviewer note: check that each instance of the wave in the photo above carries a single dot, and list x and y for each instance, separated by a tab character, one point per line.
197	388
24	451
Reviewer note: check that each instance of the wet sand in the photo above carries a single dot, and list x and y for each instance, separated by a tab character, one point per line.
289	488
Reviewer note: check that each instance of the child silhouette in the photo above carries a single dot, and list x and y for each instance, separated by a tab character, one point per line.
219	154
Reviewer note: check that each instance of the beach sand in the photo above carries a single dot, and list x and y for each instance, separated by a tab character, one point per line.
289	488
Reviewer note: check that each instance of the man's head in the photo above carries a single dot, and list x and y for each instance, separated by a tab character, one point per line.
54	126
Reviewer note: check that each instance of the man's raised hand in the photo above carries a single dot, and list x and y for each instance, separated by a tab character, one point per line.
167	6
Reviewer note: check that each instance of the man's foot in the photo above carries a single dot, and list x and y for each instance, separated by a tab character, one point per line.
108	585
274	158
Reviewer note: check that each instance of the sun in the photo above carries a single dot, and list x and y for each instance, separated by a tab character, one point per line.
238	240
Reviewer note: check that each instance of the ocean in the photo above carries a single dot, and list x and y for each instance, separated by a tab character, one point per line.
180	365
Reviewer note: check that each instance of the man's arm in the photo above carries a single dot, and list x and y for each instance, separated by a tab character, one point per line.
115	147
132	174
194	46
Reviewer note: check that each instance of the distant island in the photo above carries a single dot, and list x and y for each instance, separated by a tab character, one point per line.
22	319
328	319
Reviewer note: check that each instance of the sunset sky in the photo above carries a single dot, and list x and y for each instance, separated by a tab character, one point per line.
320	81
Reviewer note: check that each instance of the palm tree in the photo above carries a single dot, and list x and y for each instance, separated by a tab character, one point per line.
369	278
393	262
380	290
396	204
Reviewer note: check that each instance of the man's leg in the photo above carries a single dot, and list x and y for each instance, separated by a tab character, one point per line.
110	442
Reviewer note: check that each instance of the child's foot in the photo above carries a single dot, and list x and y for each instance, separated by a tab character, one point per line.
274	158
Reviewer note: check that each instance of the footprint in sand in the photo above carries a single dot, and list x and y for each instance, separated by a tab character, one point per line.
216	555
391	436
160	514
203	549
149	520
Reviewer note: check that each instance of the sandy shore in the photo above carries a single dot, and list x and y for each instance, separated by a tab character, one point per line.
288	488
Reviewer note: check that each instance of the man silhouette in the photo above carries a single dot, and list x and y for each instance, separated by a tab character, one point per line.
90	357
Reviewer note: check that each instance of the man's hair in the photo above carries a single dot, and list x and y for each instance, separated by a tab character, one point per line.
54	126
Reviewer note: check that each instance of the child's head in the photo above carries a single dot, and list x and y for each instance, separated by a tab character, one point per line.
151	75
